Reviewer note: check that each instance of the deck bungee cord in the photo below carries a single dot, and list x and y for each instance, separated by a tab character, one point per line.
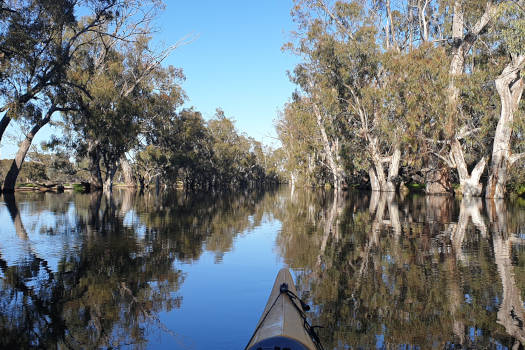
284	291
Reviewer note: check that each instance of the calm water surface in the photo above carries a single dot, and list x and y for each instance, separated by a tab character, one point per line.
174	271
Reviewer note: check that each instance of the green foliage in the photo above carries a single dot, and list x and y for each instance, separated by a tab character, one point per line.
513	31
379	74
301	145
31	172
80	188
203	154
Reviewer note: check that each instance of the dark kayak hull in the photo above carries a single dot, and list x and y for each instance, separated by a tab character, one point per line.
281	324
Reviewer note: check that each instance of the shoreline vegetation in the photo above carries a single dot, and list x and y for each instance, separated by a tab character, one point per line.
84	187
390	96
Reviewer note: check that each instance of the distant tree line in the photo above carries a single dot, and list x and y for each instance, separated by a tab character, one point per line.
97	78
398	92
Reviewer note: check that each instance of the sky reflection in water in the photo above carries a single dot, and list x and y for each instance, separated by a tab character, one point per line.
194	272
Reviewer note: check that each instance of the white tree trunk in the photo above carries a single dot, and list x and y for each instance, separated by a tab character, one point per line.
127	171
510	89
374	182
469	184
378	180
334	167
393	170
377	163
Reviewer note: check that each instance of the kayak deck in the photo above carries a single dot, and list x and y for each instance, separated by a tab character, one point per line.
281	324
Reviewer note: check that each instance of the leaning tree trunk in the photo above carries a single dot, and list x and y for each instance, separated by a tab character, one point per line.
374	182
16	165
3	125
510	89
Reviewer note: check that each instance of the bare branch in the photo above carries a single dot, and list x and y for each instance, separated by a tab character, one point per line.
332	16
463	133
446	160
156	61
516	157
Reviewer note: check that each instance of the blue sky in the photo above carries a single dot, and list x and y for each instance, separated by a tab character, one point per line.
236	62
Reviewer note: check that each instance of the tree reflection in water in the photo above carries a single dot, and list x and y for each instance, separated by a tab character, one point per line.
113	283
381	270
424	271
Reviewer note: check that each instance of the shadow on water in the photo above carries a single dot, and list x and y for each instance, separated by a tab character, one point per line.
90	270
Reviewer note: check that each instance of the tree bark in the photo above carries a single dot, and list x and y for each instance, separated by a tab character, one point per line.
127	171
16	165
393	170
95	180
111	170
336	172
374	182
3	125
469	185
377	163
378	180
510	89
391	26
423	24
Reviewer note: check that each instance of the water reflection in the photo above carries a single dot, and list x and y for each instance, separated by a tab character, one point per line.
89	270
427	271
117	276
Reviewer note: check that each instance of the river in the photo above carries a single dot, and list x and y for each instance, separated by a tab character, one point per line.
180	271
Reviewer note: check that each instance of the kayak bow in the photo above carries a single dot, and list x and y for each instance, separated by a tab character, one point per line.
283	323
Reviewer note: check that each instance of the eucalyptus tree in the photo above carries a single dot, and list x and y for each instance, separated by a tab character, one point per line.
467	27
123	90
410	83
179	148
509	85
476	41
360	83
38	42
301	146
232	152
